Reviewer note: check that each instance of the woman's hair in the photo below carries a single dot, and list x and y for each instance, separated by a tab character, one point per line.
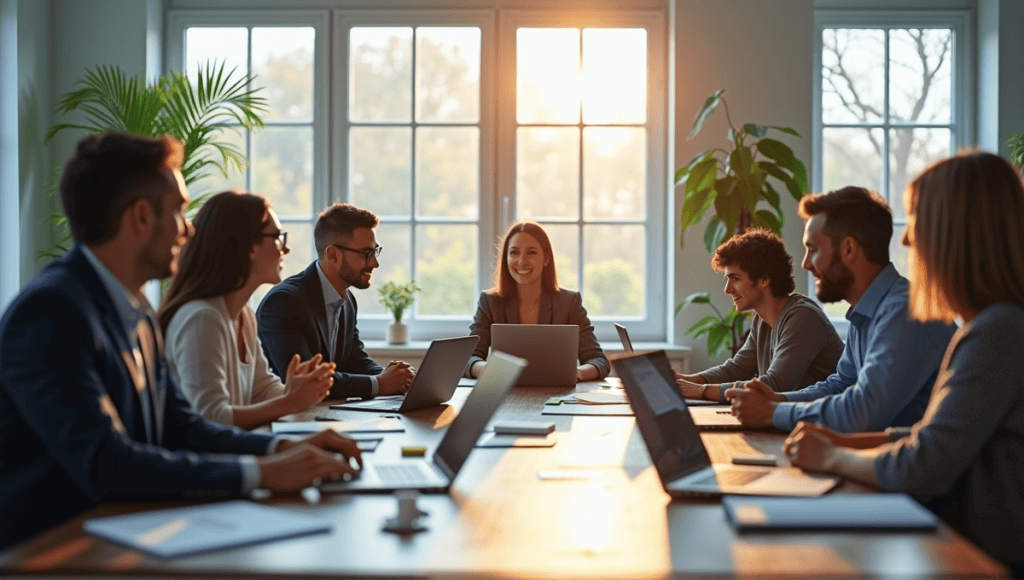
215	260
504	285
967	242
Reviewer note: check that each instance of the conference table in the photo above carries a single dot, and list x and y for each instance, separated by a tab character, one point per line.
605	515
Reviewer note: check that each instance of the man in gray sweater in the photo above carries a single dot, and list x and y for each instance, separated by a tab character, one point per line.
791	343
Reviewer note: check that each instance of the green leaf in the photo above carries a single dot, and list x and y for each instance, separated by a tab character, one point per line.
770	195
790	183
714	234
698	298
766	220
788	130
758	131
716	339
702	115
694	207
777	151
703	325
800	175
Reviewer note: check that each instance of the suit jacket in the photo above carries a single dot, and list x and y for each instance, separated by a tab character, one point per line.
564	307
71	419
293	319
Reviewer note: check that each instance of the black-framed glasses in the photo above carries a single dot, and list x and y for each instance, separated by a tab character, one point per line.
282	238
367	254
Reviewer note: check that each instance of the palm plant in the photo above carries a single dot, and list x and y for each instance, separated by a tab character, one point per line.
1016	145
196	112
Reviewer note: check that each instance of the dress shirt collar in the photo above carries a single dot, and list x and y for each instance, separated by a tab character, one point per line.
874	295
330	294
129	307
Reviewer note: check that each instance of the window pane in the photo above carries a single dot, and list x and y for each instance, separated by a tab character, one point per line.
448	172
853	75
380	169
380	74
547	173
548	75
614	172
446	258
283	168
222	45
395	266
300	254
565	243
614	265
282	58
448	75
216	181
898	253
614	75
919	70
910	152
852	157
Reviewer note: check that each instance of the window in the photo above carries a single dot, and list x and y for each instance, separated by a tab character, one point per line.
891	99
449	131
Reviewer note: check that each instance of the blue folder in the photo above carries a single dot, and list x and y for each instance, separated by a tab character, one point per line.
883	512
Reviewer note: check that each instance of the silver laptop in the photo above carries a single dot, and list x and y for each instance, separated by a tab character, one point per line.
435	381
676	449
549	349
437	474
627	344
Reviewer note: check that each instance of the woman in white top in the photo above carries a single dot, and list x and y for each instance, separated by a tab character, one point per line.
212	348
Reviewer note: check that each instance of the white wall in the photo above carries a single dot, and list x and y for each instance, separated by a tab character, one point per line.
1000	72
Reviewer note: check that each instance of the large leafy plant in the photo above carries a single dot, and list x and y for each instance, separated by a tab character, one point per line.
735	180
196	111
1016	145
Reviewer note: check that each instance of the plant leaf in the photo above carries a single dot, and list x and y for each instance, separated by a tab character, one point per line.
758	131
702	115
790	183
703	325
788	130
777	151
714	234
766	220
716	339
694	207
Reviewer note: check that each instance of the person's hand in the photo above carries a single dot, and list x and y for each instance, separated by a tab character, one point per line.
308	382
302	464
690	390
809	447
754	403
328	440
396	378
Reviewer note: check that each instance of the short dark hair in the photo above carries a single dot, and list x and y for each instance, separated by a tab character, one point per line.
339	220
760	254
855	212
107	174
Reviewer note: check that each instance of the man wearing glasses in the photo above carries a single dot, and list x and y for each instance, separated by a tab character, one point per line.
314	312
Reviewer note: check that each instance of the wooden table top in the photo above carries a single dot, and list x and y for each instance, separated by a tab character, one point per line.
500	520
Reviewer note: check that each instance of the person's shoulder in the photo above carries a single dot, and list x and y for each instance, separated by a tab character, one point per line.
802	307
290	289
198	309
1003	319
568	296
56	294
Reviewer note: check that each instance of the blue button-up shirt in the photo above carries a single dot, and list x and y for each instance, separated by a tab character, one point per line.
887	369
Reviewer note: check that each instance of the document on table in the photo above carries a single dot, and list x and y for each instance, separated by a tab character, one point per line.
386	424
883	511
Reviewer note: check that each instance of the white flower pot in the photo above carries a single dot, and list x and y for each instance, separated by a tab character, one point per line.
397	333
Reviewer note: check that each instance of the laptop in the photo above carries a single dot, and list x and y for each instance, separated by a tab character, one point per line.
677	451
549	349
437	474
627	344
434	383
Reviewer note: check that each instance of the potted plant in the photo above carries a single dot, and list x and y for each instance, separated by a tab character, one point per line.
194	112
397	298
735	180
1016	145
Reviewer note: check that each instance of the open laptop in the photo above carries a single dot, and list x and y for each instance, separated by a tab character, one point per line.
437	474
676	449
627	346
435	381
549	349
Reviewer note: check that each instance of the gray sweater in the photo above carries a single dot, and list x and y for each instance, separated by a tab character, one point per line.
965	457
801	349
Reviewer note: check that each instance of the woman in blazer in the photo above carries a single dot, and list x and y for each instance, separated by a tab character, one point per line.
212	347
526	292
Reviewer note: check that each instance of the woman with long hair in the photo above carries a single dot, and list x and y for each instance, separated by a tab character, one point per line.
965	458
526	292
212	348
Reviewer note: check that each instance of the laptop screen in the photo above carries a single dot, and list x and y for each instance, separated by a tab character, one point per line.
627	344
665	423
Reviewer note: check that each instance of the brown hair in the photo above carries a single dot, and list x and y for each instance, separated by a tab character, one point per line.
967	241
857	213
215	260
339	220
504	285
759	253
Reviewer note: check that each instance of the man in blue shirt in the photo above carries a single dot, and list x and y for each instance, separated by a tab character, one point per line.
887	369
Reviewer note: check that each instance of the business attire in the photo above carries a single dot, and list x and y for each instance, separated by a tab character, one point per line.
88	411
965	458
293	319
801	349
563	307
202	355
887	369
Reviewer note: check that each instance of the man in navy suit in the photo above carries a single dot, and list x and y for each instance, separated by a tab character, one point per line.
314	312
88	412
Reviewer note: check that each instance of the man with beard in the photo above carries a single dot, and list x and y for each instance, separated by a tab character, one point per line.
88	411
889	363
314	312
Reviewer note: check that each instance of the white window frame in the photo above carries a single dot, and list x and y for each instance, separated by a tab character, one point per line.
961	125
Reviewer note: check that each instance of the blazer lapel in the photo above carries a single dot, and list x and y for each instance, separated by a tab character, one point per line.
545	315
315	295
511	312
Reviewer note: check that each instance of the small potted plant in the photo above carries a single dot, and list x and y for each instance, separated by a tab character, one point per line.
397	299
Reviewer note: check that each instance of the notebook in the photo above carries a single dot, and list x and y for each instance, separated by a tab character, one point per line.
885	511
204	528
677	451
437	473
549	349
434	383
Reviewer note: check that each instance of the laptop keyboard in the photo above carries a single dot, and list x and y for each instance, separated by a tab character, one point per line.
734	477
401	474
